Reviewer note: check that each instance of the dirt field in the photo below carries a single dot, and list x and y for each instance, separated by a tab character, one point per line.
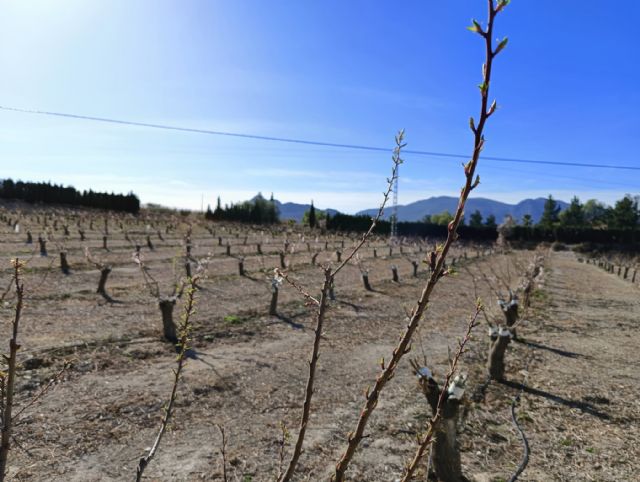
577	354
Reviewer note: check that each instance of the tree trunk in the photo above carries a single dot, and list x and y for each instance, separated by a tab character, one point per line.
168	326
43	246
394	271
283	263
446	449
365	280
64	266
149	243
510	310
241	267
415	268
29	237
104	243
273	306
496	365
104	275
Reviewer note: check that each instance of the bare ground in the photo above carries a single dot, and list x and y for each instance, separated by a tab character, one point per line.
579	409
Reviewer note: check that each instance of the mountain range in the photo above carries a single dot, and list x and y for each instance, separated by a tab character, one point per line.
435	205
415	211
296	211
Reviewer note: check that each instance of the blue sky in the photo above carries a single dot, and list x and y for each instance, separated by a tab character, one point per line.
346	72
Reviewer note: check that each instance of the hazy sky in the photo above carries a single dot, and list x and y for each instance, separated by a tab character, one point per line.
346	72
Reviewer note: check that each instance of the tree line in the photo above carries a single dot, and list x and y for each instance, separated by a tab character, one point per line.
47	193
256	211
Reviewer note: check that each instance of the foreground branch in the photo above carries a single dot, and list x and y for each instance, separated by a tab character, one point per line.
325	294
426	440
9	378
185	329
439	256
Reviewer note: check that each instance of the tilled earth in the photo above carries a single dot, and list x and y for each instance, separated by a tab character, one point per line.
247	371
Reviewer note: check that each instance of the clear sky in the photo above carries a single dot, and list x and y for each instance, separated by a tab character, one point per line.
568	87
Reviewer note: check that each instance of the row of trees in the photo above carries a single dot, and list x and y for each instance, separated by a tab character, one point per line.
47	193
256	211
592	214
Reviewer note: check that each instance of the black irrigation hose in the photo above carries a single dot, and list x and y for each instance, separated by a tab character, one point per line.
525	458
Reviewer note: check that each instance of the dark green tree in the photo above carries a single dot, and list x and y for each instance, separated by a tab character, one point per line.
573	216
595	213
444	218
550	215
312	216
624	214
490	222
527	221
475	220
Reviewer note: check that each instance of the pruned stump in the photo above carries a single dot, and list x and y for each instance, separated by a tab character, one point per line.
29	237
241	271
283	261
339	255
365	281
149	243
104	275
64	265
273	306
496	365
415	268
43	246
510	311
314	257
81	233
168	326
104	243
259	248
394	272
445	455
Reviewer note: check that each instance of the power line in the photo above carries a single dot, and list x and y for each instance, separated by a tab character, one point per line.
310	142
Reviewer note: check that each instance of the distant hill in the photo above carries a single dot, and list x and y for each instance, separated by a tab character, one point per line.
296	211
417	210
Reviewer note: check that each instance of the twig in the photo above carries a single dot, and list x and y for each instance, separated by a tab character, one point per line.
8	387
438	271
428	437
185	330
390	182
329	277
297	286
43	391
